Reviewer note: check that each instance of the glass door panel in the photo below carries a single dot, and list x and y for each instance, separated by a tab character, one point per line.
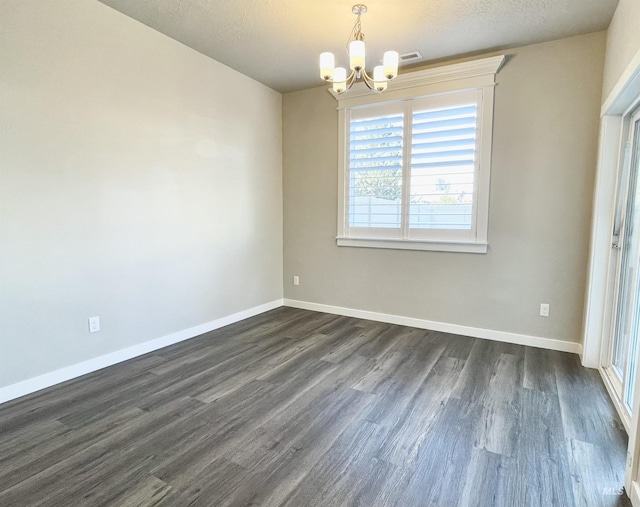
624	346
633	337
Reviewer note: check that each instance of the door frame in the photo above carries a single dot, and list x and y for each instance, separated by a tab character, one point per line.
615	111
616	386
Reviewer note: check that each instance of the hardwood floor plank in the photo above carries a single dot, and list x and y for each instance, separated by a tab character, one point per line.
150	492
42	404
497	431
484	482
193	380
277	468
253	406
398	390
89	410
392	487
347	348
30	464
286	360
592	422
539	370
450	449
456	346
29	438
597	480
296	428
347	473
105	483
540	473
317	347
57	404
210	486
382	338
480	366
407	441
393	358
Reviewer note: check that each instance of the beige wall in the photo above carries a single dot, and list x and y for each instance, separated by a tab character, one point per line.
544	156
623	42
139	181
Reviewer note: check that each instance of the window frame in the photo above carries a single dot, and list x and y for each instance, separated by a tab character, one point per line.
409	89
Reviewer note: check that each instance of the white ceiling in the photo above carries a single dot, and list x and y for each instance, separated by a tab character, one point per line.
278	42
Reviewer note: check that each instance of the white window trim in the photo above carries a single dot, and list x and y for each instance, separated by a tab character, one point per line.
475	75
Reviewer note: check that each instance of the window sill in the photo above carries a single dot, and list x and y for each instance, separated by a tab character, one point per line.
401	244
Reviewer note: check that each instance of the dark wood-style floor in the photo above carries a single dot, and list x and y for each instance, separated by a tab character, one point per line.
297	408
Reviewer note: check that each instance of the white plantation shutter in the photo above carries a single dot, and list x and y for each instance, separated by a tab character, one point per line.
443	165
375	171
421	191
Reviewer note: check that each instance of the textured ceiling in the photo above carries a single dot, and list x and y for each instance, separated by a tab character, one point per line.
278	42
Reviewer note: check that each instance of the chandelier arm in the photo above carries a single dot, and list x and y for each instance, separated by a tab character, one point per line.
371	83
351	79
368	81
366	78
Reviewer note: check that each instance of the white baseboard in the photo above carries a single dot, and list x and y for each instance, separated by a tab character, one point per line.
476	332
62	375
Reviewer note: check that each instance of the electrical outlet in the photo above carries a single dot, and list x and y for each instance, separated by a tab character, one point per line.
544	310
94	324
296	280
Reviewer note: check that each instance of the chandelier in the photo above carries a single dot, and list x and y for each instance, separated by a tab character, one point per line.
382	74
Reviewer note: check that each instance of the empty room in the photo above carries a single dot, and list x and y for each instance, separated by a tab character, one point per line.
294	253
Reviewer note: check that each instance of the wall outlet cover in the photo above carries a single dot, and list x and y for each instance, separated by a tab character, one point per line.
94	324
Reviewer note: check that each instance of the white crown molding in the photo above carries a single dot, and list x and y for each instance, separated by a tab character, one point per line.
475	332
34	384
457	71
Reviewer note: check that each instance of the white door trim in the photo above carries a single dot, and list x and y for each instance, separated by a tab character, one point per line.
622	99
596	328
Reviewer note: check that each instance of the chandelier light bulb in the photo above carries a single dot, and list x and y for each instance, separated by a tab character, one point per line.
379	81
390	62
356	55
339	79
327	63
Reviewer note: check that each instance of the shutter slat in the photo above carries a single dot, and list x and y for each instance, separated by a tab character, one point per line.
438	165
376	162
363	144
445	124
370	151
466	154
377	122
373	173
444	113
458	133
444	145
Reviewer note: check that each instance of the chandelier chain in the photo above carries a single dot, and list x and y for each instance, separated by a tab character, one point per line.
356	32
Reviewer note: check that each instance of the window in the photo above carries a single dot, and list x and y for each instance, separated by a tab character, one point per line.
415	162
